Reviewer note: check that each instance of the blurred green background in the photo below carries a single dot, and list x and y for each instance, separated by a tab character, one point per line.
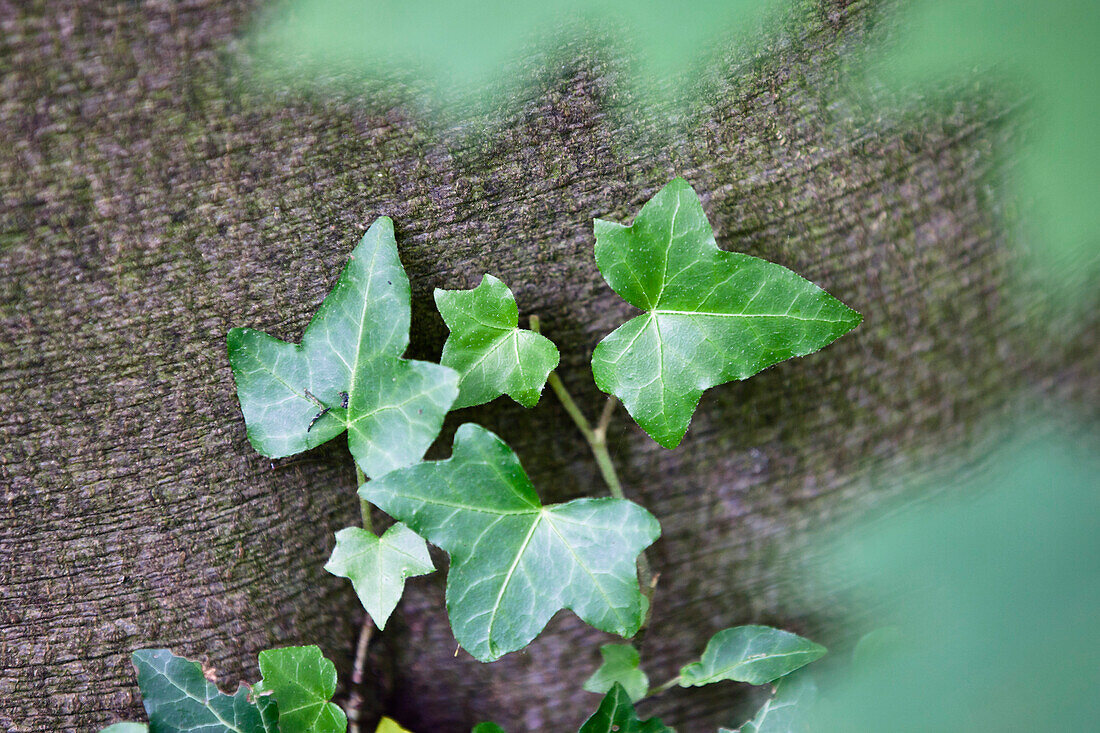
466	52
982	601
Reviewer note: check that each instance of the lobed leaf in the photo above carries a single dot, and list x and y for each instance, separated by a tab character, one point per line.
303	681
786	711
269	711
620	666
487	728
754	654
179	699
389	725
711	316
492	355
347	373
514	561
616	713
378	566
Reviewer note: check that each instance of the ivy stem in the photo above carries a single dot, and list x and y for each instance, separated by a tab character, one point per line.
364	505
661	689
358	675
597	442
366	632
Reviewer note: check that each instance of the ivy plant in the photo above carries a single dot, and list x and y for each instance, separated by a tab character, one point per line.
515	562
621	665
786	711
347	374
759	655
753	654
298	683
708	316
293	696
493	355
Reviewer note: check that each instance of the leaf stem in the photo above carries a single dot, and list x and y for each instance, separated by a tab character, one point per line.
358	675
366	632
582	424
364	505
597	442
605	416
662	689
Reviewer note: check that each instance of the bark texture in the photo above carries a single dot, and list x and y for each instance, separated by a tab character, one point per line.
150	202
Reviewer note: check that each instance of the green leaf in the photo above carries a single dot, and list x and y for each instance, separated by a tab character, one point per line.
711	316
786	711
303	682
487	728
378	566
753	654
515	562
616	713
620	666
347	374
269	711
126	728
179	699
492	355
388	725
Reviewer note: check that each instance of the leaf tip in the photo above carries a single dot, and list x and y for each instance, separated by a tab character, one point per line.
234	339
668	440
383	222
526	398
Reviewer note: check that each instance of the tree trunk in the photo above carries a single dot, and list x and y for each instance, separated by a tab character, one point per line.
150	202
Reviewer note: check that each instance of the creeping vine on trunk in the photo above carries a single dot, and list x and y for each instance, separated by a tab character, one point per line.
709	316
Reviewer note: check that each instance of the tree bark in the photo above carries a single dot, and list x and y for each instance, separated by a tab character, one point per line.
151	201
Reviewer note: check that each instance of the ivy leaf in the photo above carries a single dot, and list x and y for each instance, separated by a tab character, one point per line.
492	355
711	316
754	654
620	666
514	561
487	728
126	728
616	713
179	699
269	711
347	374
388	725
785	712
378	566
303	682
